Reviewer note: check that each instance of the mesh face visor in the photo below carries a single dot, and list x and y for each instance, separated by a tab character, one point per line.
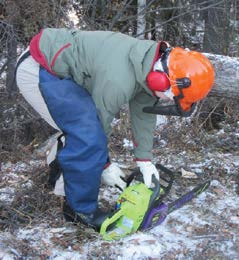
176	109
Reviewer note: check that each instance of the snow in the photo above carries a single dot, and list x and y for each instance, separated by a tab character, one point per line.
207	227
7	194
161	121
175	233
127	143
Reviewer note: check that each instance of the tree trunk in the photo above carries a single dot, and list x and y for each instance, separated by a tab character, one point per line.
226	76
12	57
141	22
217	27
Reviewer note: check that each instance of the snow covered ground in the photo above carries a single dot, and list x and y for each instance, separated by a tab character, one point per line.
206	228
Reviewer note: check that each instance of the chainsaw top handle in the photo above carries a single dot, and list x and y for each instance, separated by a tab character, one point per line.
165	183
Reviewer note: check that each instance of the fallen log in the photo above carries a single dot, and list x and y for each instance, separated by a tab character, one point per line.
226	76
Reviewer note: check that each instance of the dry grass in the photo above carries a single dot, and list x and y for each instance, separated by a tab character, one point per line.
33	203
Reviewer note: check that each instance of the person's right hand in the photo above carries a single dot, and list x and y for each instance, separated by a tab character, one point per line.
148	169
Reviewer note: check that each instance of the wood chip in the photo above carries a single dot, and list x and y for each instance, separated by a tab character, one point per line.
189	175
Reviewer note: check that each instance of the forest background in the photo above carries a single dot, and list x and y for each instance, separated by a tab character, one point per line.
205	25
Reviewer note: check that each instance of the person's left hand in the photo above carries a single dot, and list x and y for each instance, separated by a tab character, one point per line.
148	169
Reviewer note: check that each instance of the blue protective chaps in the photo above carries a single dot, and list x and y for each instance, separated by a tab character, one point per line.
85	153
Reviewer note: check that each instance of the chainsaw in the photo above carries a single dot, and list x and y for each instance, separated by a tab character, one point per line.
142	208
134	203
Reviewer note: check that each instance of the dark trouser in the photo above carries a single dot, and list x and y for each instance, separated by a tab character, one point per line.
85	153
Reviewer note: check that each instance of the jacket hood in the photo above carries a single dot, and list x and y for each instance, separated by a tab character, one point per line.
142	57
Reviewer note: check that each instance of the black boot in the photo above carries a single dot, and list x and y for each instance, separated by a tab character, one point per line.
93	220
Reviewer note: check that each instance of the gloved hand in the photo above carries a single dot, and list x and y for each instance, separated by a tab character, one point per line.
148	169
112	176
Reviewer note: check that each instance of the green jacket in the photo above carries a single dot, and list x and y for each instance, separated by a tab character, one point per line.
113	68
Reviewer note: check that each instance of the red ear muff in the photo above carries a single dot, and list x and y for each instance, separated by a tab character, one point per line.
158	81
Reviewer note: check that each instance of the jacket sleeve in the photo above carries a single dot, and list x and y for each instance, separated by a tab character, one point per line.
143	125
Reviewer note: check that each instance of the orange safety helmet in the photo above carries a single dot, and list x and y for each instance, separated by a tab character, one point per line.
191	76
